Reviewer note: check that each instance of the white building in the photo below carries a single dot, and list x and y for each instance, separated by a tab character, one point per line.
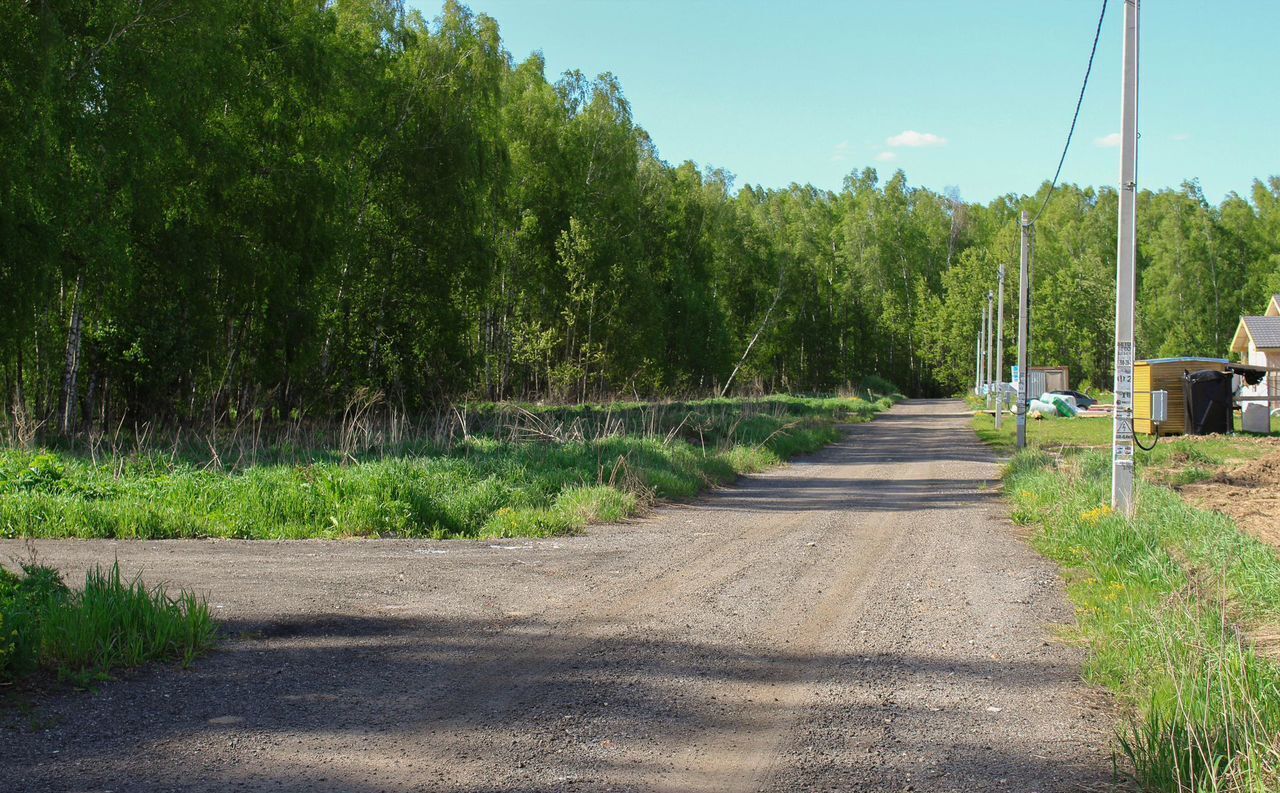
1257	340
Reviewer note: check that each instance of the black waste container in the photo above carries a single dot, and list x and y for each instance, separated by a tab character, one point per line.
1207	395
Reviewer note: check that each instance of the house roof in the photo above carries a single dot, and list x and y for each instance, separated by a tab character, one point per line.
1273	308
1264	332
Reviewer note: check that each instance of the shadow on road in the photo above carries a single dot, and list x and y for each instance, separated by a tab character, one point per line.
511	694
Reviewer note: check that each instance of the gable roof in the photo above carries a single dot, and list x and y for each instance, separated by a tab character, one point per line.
1264	332
1273	308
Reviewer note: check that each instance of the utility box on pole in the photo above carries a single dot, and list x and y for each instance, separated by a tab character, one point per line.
1126	247
1159	408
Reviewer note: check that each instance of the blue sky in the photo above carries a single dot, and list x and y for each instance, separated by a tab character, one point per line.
975	94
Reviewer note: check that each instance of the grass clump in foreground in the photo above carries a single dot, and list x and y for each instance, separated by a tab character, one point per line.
524	473
1168	604
81	635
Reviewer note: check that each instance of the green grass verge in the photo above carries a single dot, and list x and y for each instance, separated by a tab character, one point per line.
81	635
1166	604
1044	433
517	481
1174	461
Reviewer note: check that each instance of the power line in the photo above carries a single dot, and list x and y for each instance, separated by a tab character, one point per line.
1076	116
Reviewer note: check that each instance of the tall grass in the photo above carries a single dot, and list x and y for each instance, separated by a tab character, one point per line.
372	429
498	470
82	635
1214	714
1167	604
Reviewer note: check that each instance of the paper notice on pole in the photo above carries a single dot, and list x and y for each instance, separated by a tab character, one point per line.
1123	437
1124	375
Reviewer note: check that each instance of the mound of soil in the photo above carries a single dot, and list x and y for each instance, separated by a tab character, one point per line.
1261	473
1250	494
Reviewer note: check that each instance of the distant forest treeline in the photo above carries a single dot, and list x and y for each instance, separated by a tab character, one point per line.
211	207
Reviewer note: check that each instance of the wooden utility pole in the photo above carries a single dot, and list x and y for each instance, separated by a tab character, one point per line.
1000	352
1024	318
1122	423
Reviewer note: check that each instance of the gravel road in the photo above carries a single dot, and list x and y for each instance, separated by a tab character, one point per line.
864	619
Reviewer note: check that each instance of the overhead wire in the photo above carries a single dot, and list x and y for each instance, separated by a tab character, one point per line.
1075	116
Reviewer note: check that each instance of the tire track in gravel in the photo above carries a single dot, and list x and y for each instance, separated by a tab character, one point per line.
743	758
495	689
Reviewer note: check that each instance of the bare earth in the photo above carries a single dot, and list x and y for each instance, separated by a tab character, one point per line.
864	619
1249	494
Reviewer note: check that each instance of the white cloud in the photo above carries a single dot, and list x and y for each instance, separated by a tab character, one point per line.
1111	141
912	139
840	152
1181	136
886	156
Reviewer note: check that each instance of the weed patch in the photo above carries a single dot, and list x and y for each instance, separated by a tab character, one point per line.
82	635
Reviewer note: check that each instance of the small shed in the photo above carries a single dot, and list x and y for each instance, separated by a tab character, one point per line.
1056	378
1165	374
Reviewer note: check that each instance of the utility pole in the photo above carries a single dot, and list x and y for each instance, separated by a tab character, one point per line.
1024	317
982	354
990	341
977	373
1000	352
1122	426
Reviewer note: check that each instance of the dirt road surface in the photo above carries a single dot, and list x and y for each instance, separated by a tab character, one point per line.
863	619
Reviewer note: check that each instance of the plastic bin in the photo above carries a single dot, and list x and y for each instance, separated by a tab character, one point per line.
1207	396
